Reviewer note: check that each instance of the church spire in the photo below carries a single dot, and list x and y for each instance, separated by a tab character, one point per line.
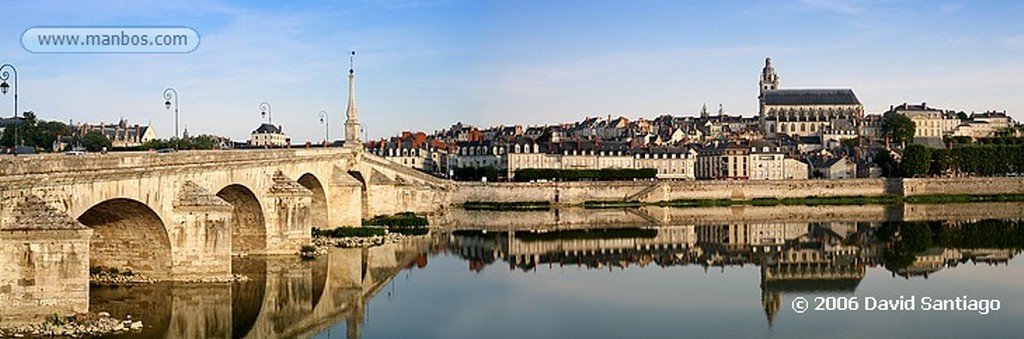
352	113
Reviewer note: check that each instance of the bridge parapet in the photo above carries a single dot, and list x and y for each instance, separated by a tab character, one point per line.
13	167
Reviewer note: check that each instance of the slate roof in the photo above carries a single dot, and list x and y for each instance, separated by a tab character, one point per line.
267	128
811	97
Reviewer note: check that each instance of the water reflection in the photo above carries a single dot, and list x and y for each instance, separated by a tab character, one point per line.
829	257
334	295
289	297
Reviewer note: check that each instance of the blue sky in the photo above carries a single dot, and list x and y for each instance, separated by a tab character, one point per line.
423	65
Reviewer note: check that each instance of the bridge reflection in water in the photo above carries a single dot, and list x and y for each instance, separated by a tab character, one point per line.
284	297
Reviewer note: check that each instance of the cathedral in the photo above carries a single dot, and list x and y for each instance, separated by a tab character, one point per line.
805	112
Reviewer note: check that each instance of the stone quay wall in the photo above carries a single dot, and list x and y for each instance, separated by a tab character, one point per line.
654	191
940	186
646	216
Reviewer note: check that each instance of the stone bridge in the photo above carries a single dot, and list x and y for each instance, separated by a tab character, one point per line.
181	216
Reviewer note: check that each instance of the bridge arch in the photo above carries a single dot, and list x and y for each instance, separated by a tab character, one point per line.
319	216
128	235
248	226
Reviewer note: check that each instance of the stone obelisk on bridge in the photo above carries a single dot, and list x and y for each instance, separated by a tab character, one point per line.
351	114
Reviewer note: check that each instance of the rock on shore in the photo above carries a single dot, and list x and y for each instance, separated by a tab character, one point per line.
75	325
352	242
111	280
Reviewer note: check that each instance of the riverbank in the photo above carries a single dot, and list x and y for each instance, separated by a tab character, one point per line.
648	215
322	243
532	195
813	201
74	326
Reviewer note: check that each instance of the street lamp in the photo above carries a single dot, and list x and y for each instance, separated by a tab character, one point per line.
366	132
325	119
4	88
265	112
169	93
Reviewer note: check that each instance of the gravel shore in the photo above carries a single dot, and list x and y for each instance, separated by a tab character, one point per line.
76	325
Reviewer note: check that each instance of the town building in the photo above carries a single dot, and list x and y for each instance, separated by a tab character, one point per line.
268	135
480	154
985	125
670	162
757	160
834	167
930	124
768	162
724	161
871	127
121	134
677	163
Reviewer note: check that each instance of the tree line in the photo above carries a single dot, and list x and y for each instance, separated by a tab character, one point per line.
45	135
978	160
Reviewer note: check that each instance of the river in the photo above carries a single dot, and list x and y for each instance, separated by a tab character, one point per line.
852	272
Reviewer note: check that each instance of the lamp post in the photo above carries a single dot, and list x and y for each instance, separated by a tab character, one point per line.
325	119
4	88
265	112
169	93
366	132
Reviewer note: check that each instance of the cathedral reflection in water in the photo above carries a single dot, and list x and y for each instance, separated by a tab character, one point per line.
829	257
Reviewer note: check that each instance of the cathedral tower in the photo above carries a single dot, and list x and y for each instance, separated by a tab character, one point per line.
769	82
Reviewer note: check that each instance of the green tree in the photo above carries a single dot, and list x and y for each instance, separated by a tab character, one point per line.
942	161
899	128
890	168
916	161
204	142
94	141
7	140
36	133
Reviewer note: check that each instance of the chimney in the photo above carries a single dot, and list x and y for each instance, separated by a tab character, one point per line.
924	105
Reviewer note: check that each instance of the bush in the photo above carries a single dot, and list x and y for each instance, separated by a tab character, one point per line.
409	230
346	232
405	219
475	173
